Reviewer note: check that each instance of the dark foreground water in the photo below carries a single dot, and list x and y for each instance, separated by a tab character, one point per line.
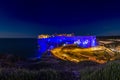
25	47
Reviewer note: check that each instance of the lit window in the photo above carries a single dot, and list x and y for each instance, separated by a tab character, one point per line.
85	42
77	42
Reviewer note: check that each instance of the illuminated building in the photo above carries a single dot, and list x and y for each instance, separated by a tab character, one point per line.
74	48
47	43
43	36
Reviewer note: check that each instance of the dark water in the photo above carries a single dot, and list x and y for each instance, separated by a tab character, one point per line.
25	47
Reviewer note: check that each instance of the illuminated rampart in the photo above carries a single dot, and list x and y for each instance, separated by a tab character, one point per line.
75	48
47	43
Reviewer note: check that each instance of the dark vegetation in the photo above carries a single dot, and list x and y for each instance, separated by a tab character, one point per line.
16	68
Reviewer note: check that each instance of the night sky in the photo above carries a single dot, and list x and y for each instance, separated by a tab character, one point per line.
28	18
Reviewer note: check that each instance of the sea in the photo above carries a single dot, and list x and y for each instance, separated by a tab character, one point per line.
24	47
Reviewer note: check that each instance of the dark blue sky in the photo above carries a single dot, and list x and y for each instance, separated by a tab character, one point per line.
28	18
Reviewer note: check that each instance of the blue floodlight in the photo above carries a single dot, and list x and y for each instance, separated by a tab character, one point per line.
49	43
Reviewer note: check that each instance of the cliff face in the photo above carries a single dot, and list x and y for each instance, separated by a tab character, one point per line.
73	53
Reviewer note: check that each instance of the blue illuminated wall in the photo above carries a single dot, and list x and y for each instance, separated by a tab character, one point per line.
46	44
